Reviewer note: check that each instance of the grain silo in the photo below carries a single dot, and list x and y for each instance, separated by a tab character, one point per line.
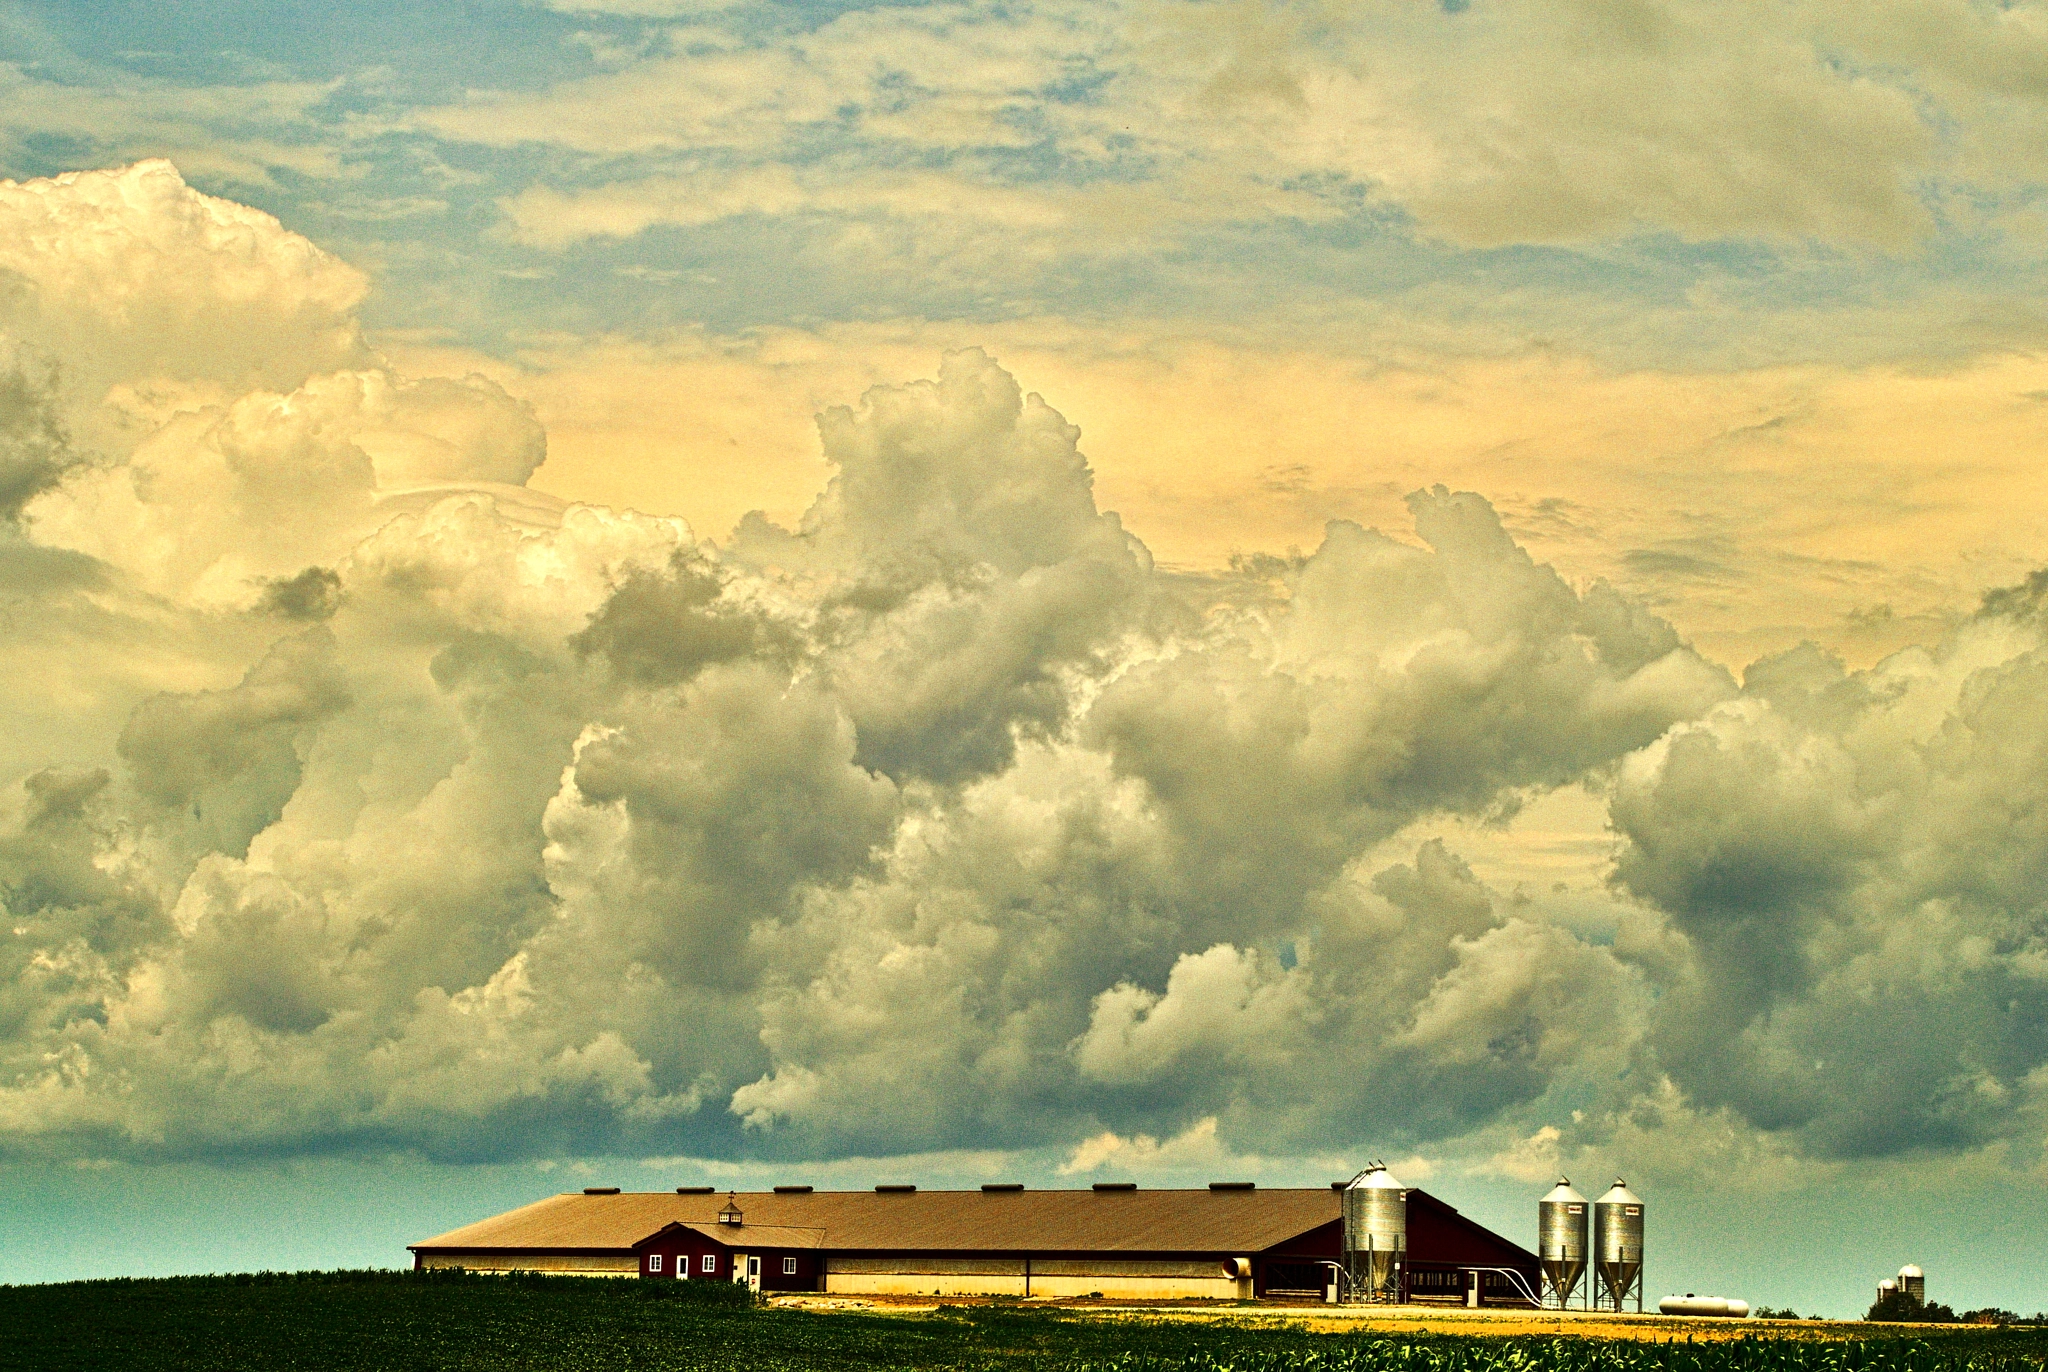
1375	1234
1562	1229
1913	1284
1618	1247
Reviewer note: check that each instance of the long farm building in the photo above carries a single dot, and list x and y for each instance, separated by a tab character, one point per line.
1231	1241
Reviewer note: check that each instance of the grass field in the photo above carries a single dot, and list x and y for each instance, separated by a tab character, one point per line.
403	1322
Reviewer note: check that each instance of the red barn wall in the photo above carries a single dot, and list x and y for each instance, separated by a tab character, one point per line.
692	1249
1440	1241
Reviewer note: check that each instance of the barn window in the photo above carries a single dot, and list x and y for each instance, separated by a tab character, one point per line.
654	1262
789	1267
710	1262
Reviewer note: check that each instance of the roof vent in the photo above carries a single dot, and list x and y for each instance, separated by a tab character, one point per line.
1116	1186
1002	1186
600	1190
730	1214
897	1188
792	1190
1233	1186
695	1190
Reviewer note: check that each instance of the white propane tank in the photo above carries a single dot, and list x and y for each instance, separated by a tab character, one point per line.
1719	1307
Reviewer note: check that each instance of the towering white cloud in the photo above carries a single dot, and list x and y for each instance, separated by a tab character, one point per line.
131	276
403	806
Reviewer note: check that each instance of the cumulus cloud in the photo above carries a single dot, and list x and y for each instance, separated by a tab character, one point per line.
131	275
229	760
410	808
1854	862
1197	1147
225	498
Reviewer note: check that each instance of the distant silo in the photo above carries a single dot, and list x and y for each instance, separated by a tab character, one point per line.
1885	1288
1913	1284
1562	1232
1618	1247
1375	1234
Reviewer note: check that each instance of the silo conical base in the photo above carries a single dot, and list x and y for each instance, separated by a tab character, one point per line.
1617	1282
1375	1274
1561	1279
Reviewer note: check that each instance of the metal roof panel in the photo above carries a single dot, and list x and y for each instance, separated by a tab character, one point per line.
924	1221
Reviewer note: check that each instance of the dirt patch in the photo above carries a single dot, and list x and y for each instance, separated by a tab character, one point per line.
1524	1323
1325	1319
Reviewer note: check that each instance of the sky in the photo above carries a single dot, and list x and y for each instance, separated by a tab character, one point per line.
660	591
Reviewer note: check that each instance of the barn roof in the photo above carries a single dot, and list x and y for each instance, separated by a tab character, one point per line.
1238	1221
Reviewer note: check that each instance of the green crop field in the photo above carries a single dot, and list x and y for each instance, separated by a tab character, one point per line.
402	1322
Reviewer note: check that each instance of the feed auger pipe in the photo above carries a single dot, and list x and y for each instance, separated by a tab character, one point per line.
1514	1280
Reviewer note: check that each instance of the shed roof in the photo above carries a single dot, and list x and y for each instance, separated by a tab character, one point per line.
745	1236
922	1221
1421	1203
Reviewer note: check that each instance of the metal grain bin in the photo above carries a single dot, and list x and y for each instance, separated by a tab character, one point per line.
1563	1232
1375	1234
1618	1246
